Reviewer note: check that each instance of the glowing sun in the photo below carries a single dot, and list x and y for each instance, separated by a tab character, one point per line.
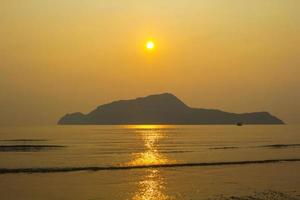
150	45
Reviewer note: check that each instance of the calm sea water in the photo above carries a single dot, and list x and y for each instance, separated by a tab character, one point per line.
148	162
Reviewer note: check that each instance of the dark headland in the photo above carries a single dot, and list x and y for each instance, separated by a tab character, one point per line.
163	109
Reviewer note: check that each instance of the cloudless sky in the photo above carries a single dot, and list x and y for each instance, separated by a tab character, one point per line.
62	56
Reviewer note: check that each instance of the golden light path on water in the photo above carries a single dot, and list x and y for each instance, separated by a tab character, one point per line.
152	185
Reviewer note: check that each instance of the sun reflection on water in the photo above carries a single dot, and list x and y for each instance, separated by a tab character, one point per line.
151	135
152	185
151	188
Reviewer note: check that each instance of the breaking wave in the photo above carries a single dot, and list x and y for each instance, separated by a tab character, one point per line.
130	167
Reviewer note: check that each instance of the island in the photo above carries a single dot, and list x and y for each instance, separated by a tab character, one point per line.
162	109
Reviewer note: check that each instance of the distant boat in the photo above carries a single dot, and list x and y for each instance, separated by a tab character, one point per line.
239	124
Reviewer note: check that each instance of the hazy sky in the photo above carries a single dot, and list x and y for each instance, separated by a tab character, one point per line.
62	56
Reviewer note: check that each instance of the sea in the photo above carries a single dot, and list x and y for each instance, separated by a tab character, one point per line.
150	162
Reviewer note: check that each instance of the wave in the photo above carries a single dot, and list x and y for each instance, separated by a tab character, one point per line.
25	140
27	148
130	167
281	145
224	148
275	146
176	151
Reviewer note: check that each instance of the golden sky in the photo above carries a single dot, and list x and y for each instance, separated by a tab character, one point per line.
59	56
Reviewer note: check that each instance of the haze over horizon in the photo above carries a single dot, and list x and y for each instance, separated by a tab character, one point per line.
60	57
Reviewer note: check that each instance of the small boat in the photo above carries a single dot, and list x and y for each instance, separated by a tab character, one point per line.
239	124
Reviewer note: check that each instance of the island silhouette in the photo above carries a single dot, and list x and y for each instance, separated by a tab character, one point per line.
163	108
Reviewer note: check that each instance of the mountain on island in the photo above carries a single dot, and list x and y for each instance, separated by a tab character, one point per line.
163	109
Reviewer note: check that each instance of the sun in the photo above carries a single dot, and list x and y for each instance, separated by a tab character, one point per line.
150	45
